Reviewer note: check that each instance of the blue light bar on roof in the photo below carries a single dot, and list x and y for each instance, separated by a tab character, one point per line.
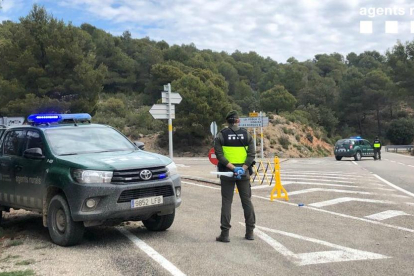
77	117
355	137
44	118
56	118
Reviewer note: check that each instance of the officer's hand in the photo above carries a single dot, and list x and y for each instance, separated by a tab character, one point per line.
239	171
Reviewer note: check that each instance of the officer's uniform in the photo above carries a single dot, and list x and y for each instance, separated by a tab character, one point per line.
377	149
229	149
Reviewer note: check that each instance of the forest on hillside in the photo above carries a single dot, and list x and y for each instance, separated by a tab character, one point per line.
47	65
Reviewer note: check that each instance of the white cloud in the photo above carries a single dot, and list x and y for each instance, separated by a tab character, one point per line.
276	28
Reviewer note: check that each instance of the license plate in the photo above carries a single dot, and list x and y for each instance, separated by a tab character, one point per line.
147	201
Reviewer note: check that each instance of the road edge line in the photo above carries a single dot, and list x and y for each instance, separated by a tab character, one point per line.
151	252
393	185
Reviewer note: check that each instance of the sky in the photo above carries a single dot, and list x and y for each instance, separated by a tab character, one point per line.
273	28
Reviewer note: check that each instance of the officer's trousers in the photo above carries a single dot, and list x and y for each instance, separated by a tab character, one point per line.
245	192
377	153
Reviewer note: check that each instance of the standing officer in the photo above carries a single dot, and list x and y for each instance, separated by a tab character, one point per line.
234	148
377	148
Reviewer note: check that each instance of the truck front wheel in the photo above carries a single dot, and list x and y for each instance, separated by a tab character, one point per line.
159	223
62	229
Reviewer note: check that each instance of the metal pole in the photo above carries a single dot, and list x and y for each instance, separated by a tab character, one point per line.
170	136
261	136
254	138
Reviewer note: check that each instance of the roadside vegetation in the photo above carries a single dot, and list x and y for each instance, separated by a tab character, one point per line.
47	65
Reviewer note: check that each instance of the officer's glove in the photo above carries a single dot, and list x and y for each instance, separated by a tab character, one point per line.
238	171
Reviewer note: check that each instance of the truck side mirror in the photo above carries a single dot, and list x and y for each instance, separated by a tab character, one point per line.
33	153
140	145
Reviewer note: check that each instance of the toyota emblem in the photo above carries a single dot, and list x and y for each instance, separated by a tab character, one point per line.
145	174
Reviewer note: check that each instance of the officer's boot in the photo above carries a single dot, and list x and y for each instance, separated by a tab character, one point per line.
249	234
224	236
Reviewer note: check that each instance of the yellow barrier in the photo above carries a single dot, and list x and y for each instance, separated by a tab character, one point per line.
278	185
263	168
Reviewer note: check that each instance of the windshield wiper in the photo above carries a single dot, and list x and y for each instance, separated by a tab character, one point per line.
72	153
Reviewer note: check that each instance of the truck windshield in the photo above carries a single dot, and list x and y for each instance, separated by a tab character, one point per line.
79	140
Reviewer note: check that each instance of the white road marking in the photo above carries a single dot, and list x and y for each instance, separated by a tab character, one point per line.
151	253
317	184
316	179
319	210
387	214
355	163
200	185
393	161
348	199
327	190
182	165
341	254
321	176
394	186
400	163
410	166
322	173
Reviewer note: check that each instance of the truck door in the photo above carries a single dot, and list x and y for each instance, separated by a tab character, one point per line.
11	149
370	148
30	176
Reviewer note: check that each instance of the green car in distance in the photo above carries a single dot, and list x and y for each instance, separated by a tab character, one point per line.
78	174
353	147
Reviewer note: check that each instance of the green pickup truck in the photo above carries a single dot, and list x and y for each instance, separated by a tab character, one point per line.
355	147
78	174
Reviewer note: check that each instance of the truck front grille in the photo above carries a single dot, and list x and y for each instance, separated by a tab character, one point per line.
128	195
126	176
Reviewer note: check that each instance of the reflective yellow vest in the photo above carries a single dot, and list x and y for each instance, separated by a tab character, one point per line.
233	149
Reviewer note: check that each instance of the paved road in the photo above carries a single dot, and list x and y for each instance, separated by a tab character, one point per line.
396	168
352	223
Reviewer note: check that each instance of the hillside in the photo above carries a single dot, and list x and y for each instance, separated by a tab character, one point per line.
282	138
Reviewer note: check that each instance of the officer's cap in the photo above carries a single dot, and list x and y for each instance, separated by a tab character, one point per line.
233	114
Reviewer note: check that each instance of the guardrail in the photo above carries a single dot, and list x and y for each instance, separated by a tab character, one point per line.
397	147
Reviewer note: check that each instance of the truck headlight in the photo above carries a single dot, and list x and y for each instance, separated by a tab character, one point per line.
172	169
89	176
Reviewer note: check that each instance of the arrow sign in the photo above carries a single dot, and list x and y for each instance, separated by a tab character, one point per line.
175	97
213	128
160	111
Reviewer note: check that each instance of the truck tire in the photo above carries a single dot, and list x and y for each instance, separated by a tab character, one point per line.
159	223
338	158
62	229
358	156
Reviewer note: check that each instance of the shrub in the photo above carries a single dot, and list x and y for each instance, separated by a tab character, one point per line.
297	136
401	131
284	142
309	137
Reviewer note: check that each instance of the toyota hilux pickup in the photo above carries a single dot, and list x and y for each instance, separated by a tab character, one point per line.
78	174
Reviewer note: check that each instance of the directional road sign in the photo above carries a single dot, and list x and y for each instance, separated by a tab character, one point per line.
175	98
213	128
160	111
254	122
254	114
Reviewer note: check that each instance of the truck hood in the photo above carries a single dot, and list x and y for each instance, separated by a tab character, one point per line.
120	160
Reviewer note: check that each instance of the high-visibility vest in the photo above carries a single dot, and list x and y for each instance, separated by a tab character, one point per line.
233	149
377	144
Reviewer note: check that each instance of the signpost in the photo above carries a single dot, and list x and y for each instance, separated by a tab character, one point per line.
254	122
213	129
167	111
212	157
